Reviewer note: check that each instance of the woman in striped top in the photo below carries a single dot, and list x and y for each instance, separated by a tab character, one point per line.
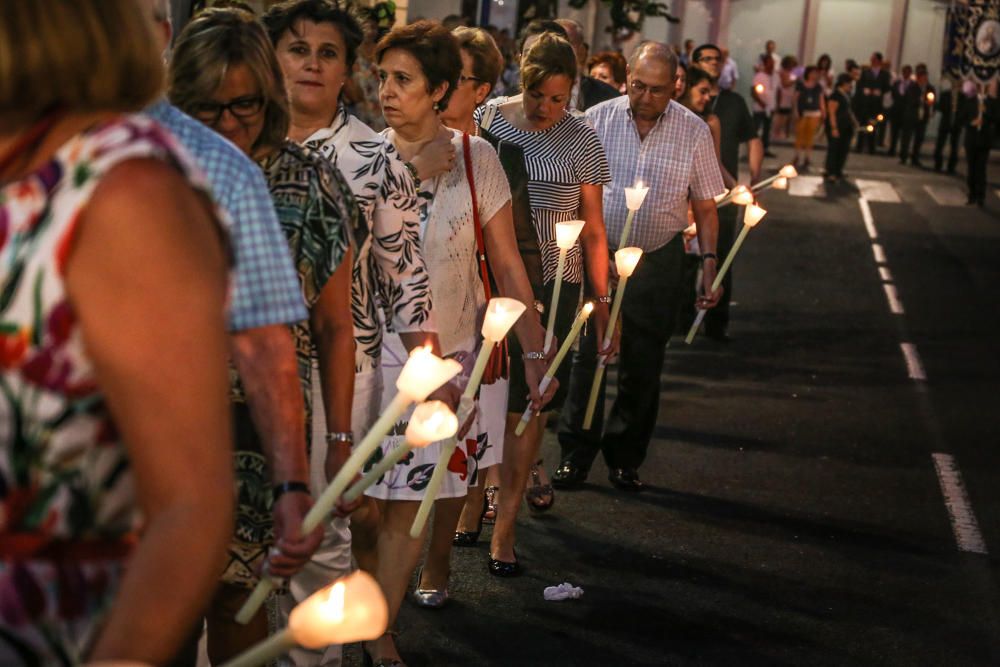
567	170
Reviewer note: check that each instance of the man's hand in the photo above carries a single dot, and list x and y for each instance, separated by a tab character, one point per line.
437	157
600	318
534	371
293	549
708	299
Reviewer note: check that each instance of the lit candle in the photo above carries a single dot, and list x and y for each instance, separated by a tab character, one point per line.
423	373
501	314
787	172
780	183
759	88
351	609
626	260
566	235
869	128
737	195
554	366
634	196
430	422
880	118
751	217
930	97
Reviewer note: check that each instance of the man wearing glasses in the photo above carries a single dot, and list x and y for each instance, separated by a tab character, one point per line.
651	139
737	128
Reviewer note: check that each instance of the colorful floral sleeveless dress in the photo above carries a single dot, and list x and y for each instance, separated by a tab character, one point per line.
67	503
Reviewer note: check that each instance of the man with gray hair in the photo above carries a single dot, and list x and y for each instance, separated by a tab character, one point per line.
648	138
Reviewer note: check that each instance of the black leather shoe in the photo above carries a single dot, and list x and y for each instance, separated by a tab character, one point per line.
626	479
569	476
501	568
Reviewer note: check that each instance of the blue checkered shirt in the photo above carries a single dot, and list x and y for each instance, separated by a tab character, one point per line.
266	289
676	161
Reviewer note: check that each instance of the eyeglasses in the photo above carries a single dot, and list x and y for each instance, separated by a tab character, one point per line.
463	79
242	108
641	88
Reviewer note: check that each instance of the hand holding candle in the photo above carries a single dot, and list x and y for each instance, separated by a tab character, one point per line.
566	235
554	366
751	217
349	610
634	197
422	374
626	260
501	314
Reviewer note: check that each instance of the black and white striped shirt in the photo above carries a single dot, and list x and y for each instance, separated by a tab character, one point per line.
559	160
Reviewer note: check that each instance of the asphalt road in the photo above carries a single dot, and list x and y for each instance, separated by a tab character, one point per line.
794	514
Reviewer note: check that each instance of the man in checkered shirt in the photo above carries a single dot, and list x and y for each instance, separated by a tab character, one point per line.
652	139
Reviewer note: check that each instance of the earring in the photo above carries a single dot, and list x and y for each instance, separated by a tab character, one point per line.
437	106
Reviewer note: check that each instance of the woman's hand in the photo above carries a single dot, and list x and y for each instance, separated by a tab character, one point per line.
437	157
600	317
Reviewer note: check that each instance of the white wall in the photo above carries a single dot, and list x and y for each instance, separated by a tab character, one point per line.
923	39
853	29
432	9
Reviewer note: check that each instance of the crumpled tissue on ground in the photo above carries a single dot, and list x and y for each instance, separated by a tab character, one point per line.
564	591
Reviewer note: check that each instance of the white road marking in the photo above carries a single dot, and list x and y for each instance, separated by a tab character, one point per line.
914	366
946	195
866	213
885	274
877	191
806	186
879	253
956	500
895	305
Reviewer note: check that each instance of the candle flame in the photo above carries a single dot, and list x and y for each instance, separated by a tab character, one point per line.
588	307
333	606
880	118
759	88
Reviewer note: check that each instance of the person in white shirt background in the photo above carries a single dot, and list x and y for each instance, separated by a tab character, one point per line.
763	96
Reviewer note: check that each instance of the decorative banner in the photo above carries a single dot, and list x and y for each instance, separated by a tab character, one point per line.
972	49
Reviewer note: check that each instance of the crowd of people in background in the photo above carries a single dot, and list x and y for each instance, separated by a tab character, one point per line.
220	247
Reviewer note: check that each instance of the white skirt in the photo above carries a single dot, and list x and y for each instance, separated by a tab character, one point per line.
482	446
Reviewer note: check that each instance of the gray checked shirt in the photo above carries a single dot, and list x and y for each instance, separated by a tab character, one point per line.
676	161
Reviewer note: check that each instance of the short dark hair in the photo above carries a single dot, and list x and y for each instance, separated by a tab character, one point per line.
878	54
434	47
539	26
696	55
809	70
921	68
696	75
282	18
843	78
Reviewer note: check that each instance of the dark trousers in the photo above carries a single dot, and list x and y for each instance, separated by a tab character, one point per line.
762	123
913	133
648	314
837	150
895	130
977	155
717	319
951	135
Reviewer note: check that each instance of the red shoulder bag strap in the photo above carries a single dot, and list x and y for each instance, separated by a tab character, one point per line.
484	273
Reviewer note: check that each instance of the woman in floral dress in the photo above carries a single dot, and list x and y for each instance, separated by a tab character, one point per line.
112	349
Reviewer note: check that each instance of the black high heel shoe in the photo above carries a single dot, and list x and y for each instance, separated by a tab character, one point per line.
502	568
469	538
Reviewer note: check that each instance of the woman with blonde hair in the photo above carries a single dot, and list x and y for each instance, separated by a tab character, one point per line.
224	72
114	446
567	170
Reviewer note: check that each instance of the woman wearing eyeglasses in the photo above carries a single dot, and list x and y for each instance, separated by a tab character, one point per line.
224	72
567	170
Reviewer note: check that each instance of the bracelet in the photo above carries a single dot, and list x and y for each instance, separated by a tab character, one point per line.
709	255
334	438
413	172
533	356
285	487
602	299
